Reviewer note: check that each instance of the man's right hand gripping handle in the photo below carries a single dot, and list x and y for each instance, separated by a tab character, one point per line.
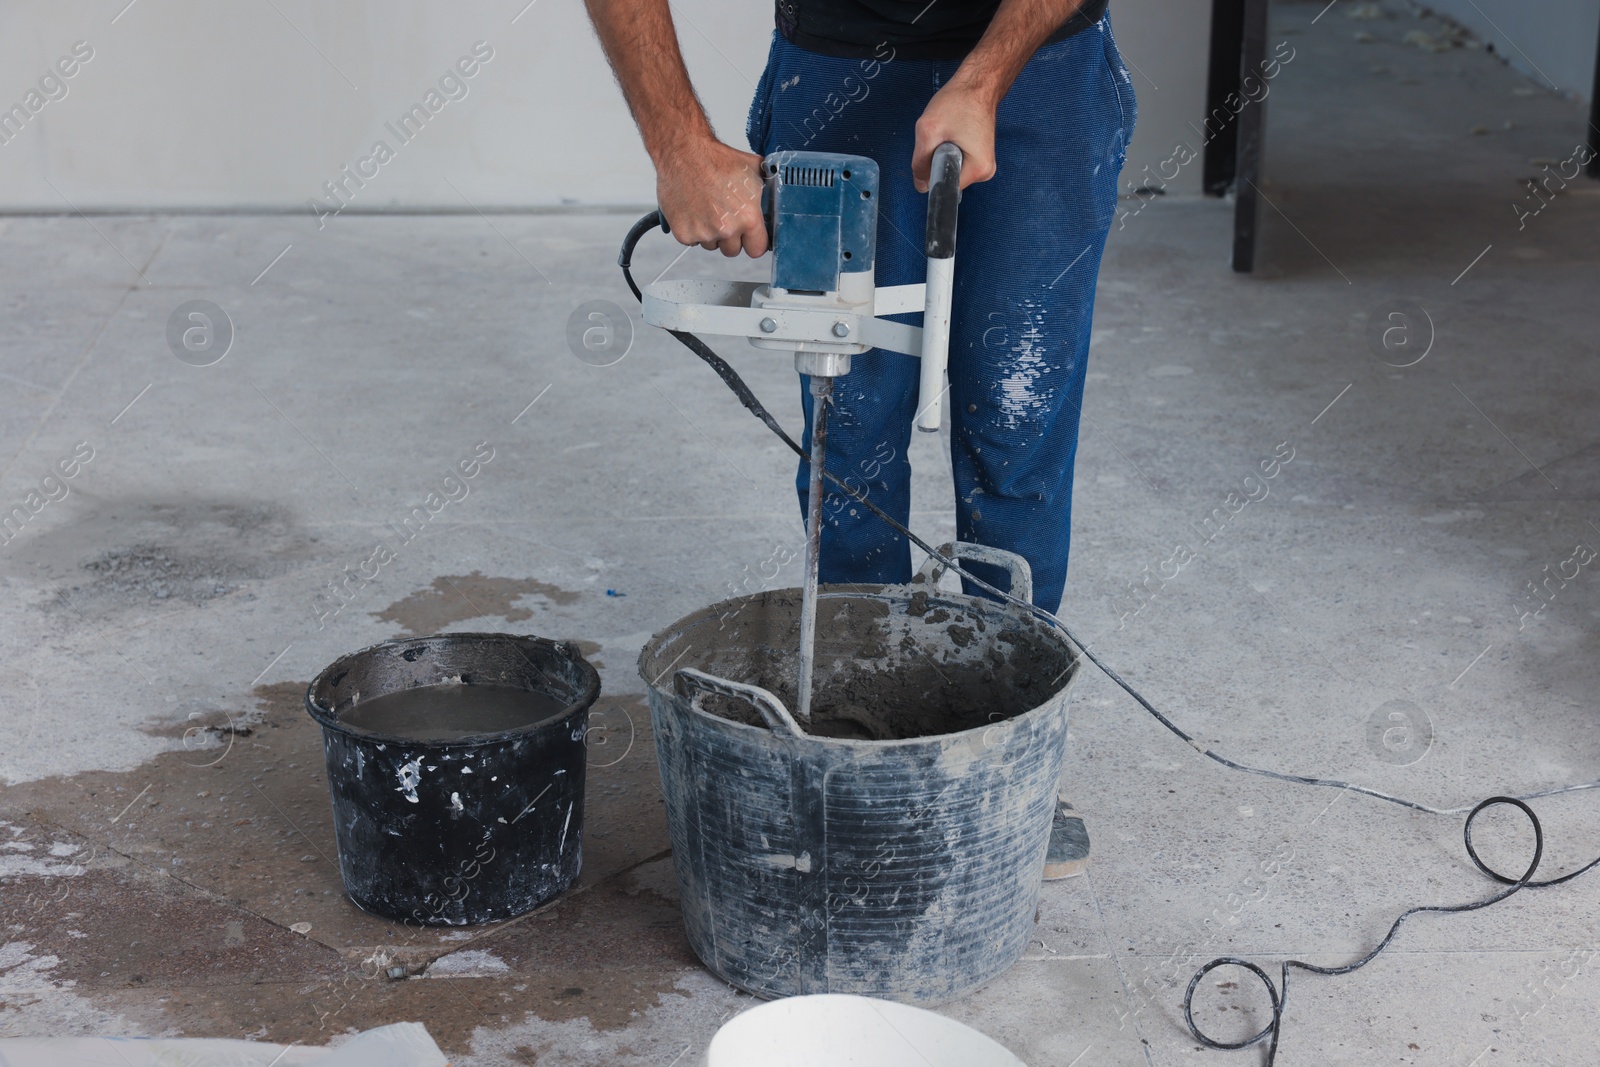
709	192
710	196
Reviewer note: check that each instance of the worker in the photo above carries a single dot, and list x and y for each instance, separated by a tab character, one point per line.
1036	95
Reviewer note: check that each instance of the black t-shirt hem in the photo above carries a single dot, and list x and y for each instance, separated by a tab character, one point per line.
913	48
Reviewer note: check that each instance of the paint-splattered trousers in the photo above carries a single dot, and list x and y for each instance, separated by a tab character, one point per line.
1028	251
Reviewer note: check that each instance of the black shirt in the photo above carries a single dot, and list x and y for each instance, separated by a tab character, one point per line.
902	29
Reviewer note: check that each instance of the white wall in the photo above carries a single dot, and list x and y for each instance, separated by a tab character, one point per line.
1553	41
255	104
1166	44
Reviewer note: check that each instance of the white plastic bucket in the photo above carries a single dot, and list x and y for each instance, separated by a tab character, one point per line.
840	1030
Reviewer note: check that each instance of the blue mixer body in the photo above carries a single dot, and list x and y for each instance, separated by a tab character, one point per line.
824	212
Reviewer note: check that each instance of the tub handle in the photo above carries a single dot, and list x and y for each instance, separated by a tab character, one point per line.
692	684
1021	574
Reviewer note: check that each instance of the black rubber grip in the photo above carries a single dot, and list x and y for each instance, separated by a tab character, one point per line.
944	196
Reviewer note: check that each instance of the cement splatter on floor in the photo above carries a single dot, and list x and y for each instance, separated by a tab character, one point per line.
454	598
126	555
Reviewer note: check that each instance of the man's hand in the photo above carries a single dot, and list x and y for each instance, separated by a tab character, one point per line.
963	110
710	195
963	115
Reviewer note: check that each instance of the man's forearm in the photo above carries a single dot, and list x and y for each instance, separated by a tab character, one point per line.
709	191
1015	33
642	45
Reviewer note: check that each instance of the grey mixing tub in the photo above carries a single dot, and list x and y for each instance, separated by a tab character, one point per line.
903	868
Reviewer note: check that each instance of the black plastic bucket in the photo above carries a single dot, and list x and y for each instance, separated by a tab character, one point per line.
899	867
475	829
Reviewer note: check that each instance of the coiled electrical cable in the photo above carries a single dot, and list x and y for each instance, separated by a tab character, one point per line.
1279	995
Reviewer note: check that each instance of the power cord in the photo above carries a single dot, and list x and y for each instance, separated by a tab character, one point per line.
1279	995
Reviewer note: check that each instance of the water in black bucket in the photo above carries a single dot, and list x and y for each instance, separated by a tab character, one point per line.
450	712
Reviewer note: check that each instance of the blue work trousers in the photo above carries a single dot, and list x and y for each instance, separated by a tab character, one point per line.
1028	251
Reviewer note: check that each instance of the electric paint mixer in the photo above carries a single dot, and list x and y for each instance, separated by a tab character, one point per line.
823	305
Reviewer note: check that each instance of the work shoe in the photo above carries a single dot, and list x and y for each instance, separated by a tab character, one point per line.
1068	853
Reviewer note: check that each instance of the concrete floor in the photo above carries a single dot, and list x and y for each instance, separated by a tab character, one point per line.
158	885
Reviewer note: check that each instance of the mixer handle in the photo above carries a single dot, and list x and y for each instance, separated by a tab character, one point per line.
692	684
944	196
1021	574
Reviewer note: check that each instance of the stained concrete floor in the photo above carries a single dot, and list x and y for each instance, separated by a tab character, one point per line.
165	842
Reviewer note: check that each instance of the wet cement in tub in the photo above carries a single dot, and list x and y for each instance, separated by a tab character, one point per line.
450	712
924	668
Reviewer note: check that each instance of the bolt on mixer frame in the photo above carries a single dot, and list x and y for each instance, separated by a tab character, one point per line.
822	305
